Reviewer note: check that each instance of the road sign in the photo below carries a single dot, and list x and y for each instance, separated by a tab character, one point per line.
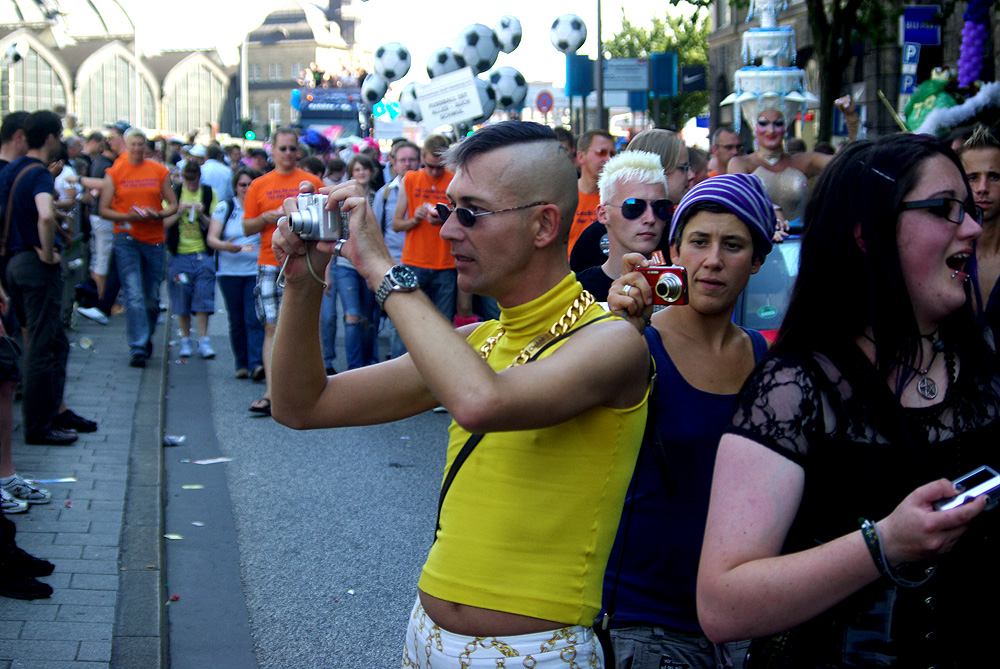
920	25
544	102
908	74
626	74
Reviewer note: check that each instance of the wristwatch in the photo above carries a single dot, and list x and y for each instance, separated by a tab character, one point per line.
399	278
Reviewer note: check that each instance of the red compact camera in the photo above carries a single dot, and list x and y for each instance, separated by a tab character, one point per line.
669	283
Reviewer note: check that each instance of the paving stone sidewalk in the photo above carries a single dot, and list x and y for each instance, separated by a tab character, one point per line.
102	530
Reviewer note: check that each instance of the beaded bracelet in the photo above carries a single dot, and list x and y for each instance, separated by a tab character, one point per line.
873	539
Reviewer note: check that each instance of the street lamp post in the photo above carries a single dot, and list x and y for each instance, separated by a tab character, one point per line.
601	116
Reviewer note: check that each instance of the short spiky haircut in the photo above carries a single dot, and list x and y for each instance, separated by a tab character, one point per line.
982	138
627	167
497	136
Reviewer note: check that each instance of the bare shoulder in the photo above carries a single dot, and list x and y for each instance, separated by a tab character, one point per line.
740	165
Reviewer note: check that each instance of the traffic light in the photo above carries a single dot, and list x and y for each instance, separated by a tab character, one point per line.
246	126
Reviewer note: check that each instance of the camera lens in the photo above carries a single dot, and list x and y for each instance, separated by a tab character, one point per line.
669	288
302	223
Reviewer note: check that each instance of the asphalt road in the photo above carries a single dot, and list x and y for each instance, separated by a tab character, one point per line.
310	543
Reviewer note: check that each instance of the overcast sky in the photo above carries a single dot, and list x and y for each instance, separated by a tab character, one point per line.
206	23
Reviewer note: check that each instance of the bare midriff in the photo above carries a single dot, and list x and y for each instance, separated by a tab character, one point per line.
474	621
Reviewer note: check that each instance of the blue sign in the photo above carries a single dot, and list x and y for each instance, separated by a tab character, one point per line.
920	26
908	74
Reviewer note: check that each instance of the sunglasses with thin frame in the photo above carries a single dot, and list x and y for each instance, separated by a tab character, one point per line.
634	207
949	208
467	217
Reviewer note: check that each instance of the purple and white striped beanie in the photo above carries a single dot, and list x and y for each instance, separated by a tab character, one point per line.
742	194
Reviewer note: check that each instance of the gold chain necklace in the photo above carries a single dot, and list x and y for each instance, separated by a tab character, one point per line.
559	328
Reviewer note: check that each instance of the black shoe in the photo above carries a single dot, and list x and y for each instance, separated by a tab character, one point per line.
70	420
138	360
18	584
54	437
31	565
257	374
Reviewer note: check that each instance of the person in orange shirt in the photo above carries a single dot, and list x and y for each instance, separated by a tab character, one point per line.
593	150
261	211
424	251
132	198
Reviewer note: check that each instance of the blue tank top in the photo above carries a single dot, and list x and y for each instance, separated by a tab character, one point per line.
658	573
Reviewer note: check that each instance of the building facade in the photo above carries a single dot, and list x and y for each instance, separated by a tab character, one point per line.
873	68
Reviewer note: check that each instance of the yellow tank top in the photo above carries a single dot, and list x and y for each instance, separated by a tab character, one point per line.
529	521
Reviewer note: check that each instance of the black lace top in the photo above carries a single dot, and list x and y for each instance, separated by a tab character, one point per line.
862	454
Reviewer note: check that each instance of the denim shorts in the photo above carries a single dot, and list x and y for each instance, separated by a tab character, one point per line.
192	284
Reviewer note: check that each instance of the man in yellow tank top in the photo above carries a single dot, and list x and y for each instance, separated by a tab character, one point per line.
526	528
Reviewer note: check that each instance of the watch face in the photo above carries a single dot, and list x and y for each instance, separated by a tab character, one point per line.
404	278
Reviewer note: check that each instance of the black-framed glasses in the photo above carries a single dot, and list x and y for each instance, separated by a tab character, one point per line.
949	208
634	207
467	217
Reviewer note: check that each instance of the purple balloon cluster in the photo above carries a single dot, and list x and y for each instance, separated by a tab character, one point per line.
974	35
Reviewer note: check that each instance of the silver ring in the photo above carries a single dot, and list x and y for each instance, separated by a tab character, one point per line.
338	246
627	288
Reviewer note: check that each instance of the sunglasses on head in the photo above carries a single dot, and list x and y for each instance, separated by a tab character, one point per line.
467	217
634	207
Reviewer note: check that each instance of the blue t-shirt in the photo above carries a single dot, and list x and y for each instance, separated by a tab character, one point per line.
659	570
24	213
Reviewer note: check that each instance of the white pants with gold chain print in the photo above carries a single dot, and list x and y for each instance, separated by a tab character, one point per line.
430	647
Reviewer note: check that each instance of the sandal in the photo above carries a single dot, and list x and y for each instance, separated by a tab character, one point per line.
263	405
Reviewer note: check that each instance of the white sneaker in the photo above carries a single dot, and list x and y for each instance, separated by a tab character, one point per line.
205	348
94	314
10	504
185	351
25	492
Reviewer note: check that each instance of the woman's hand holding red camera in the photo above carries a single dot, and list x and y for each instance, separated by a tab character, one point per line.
630	296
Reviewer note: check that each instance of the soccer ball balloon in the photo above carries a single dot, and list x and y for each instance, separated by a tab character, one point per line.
478	46
487	98
408	105
373	89
392	61
509	86
568	33
508	31
443	61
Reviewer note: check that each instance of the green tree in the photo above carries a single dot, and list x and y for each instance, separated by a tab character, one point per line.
685	36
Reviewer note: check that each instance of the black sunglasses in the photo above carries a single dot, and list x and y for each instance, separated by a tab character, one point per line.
634	207
952	209
467	217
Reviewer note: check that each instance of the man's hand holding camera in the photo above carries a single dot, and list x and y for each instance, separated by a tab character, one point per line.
630	296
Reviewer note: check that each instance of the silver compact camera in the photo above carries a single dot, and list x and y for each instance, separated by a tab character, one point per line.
312	221
980	481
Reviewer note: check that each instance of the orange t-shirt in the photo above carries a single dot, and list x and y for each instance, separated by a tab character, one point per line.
423	246
269	192
586	213
139	186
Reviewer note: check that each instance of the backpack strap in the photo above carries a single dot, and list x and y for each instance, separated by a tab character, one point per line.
8	208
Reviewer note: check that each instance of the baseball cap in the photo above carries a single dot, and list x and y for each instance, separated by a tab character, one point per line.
121	126
198	151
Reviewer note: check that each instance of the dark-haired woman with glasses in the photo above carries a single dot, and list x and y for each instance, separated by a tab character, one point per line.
824	542
237	276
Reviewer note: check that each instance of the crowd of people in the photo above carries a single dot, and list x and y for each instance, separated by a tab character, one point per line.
623	480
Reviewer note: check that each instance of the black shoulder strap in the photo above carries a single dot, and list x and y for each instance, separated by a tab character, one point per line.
474	439
230	205
206	198
177	191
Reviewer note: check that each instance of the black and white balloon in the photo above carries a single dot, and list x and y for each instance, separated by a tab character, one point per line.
478	46
392	61
568	33
443	61
488	100
510	87
373	89
508	32
408	105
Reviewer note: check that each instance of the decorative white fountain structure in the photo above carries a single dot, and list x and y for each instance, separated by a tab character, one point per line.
776	83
